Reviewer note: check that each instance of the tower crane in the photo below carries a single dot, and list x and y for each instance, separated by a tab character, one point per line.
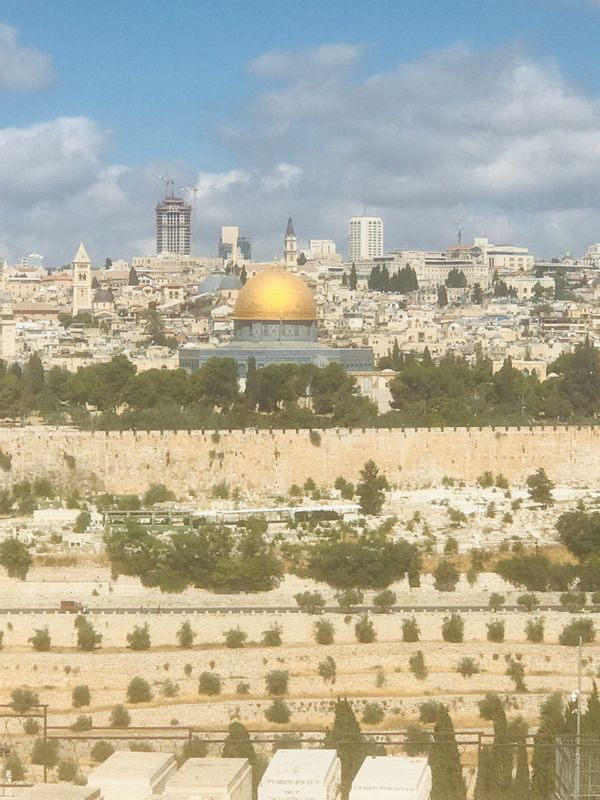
167	182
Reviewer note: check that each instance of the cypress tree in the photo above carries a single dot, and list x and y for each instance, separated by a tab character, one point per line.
591	719
345	736
491	708
353	277
444	760
520	787
552	724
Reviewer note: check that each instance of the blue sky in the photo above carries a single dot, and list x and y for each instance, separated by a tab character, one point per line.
194	92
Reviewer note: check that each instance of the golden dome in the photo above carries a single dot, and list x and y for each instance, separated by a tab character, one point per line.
275	294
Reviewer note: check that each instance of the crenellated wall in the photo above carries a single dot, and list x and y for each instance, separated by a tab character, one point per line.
259	459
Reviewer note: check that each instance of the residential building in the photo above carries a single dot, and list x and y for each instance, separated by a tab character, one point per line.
320	248
365	238
592	256
173	226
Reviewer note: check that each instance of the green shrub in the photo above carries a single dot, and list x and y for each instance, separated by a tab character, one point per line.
45	752
327	670
496	601
417	741
416	664
347	599
158	493
467	666
571	633
31	726
410	630
428	712
209	683
534	630
516	672
87	638
138	691
82	723
311	602
485	480
453	628
278	712
272	636
384	600
40	641
372	714
446	576
186	635
365	630
573	601
101	751
495	631
242	688
528	601
324	631
23	699
119	717
14	765
276	682
139	638
235	638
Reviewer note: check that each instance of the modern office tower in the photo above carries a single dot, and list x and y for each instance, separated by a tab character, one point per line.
392	776
290	246
245	248
82	281
365	238
302	775
173	226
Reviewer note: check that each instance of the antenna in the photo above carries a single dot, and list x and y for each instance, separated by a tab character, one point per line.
167	182
365	204
460	214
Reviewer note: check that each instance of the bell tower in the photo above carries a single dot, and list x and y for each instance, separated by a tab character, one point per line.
290	246
82	281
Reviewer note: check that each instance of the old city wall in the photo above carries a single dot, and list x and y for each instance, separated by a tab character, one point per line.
259	460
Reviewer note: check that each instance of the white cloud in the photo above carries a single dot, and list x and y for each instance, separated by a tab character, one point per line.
500	131
22	68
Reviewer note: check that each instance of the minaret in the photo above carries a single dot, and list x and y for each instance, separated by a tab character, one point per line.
82	281
290	249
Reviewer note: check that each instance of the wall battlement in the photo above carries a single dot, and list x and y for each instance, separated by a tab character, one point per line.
129	461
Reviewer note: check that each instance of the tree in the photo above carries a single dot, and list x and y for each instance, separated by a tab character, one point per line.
417	666
324	631
467	666
528	601
456	279
385	600
186	635
444	760
82	522
216	383
365	630
371	489
327	670
446	576
495	631
353	279
139	638
278	712
348	598
14	765
67	770
238	744
272	636
138	691
372	714
442	296
235	638
21	700
534	630
101	751
40	641
579	628
417	741
119	717
87	638
209	683
477	295
544	742
410	630
345	736
45	752
276	681
520	788
311	602
539	487
453	628
496	601
516	672
15	558
158	493
499	772
81	696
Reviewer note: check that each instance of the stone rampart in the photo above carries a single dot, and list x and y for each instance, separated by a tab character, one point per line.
256	460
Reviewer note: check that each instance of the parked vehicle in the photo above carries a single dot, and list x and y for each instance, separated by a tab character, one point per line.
72	607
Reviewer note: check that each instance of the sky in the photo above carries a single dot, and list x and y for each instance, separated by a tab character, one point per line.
426	111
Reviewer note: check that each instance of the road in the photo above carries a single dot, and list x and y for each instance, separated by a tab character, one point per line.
411	609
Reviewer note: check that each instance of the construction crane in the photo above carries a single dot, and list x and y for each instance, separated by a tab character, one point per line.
167	182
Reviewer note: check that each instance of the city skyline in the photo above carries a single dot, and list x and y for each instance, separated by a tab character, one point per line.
503	119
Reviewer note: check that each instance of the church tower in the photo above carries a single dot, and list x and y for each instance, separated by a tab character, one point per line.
82	281
290	248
